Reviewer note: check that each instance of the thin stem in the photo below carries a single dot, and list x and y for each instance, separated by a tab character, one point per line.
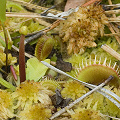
22	59
6	48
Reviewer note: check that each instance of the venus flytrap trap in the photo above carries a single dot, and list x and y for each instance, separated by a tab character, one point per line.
44	47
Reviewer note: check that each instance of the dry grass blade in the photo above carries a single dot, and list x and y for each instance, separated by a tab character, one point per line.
111	51
116	19
91	2
112	12
30	15
111	26
79	99
113	5
116	29
112	34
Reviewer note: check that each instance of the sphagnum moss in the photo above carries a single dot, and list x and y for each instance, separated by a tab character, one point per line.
6	104
36	112
30	92
81	28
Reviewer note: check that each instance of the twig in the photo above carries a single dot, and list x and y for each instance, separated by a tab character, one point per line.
113	34
26	54
90	2
112	30
113	5
112	12
111	26
56	23
115	19
115	28
30	15
110	2
111	51
79	99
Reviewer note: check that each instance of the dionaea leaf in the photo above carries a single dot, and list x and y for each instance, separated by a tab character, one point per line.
7	84
35	69
2	10
44	47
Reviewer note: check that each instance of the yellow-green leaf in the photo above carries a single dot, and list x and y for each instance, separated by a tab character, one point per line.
7	84
35	69
2	10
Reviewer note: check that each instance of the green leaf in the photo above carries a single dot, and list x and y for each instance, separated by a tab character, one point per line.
2	39
35	69
2	10
7	84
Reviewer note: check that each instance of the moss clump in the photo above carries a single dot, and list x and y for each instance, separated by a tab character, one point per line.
73	89
36	112
30	92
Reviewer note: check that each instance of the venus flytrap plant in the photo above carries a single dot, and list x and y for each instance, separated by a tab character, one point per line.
102	91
